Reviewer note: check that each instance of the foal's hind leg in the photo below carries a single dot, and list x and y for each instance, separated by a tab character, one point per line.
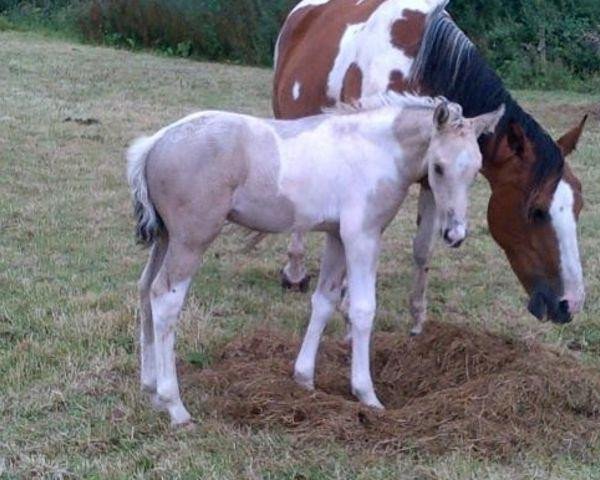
168	291
167	295
324	300
422	248
148	364
294	275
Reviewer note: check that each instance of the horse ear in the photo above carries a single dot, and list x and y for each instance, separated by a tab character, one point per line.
487	122
515	136
568	142
441	115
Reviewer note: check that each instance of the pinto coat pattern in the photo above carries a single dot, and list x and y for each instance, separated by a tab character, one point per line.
345	173
345	50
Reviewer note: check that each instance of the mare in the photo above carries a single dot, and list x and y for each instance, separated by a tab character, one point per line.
343	50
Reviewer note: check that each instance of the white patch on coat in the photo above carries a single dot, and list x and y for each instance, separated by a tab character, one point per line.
308	3
360	156
565	226
296	90
369	45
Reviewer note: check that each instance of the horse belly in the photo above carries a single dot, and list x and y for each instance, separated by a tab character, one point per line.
265	213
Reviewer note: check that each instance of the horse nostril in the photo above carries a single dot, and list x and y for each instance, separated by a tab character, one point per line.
447	236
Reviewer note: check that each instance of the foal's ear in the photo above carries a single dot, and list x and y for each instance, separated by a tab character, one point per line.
441	115
487	122
568	142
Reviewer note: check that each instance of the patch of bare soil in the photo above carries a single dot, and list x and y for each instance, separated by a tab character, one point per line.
451	388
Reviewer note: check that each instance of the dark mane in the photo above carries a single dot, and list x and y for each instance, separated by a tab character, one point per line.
448	64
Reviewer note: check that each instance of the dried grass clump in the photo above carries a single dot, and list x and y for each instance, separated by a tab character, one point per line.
451	388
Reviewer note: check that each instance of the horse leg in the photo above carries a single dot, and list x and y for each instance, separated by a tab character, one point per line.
293	275
187	243
148	364
422	248
362	252
324	300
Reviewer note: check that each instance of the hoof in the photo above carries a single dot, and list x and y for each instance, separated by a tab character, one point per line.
187	426
304	381
368	398
416	331
301	286
374	403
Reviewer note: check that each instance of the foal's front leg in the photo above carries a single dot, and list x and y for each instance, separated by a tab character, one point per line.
324	300
422	248
362	252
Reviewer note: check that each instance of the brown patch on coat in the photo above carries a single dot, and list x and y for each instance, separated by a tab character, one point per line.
352	84
308	45
408	31
398	83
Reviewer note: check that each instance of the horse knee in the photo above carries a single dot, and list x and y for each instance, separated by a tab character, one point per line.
361	315
322	302
421	259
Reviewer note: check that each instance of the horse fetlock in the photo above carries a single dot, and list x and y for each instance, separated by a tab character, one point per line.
148	384
418	312
304	379
157	403
295	281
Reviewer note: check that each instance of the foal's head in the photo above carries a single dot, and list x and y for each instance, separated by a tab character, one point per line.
453	160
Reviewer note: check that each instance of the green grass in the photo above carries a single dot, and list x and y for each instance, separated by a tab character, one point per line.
69	400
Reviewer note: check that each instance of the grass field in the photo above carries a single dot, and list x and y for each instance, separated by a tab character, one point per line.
69	400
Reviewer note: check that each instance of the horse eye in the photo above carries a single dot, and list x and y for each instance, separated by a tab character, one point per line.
438	169
539	216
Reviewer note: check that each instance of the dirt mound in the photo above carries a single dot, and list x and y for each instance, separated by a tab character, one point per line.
451	388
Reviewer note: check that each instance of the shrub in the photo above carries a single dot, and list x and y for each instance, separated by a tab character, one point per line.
241	31
531	43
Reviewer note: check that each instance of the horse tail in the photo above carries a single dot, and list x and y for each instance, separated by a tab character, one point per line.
149	224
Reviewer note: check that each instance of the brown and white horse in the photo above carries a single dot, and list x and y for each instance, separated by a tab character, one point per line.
343	50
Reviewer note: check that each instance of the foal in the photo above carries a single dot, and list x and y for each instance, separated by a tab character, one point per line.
344	172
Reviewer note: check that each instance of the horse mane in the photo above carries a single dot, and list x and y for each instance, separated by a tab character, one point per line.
449	64
387	99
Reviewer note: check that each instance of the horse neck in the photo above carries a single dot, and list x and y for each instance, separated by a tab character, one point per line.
414	131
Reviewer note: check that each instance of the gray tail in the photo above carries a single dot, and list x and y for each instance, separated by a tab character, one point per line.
149	224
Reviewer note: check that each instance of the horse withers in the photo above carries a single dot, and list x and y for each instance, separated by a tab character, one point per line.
344	172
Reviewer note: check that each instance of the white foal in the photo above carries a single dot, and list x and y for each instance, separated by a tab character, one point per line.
345	172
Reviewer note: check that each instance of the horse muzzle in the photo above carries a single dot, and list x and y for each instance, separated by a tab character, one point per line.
544	303
455	236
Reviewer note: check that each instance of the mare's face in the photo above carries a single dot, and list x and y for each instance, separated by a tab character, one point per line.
538	229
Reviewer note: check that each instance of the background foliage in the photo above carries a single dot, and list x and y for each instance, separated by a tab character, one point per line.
532	43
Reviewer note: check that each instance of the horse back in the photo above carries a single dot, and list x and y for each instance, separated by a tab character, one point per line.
337	50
